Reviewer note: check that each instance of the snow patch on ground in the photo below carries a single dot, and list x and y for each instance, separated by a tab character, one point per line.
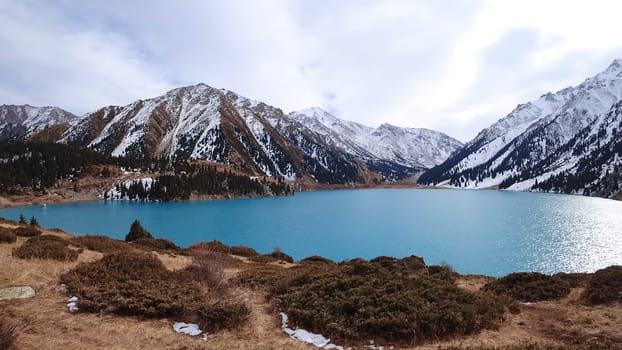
187	328
72	304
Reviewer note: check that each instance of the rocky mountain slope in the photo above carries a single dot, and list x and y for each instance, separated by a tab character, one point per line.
17	122
542	139
396	152
201	122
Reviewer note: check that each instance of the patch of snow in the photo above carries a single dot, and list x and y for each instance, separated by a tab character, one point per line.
303	335
187	328
72	304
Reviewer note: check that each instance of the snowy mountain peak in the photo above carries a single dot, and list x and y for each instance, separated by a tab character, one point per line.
615	66
17	121
513	148
405	147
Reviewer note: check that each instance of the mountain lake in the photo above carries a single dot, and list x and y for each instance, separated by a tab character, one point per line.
474	231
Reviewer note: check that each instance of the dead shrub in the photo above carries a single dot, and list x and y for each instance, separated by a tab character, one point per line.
208	268
101	244
27	231
132	283
244	251
279	255
46	247
158	244
530	286
317	260
272	257
222	315
605	286
7	334
7	236
536	346
138	284
214	246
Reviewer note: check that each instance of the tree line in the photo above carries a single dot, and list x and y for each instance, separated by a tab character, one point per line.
37	167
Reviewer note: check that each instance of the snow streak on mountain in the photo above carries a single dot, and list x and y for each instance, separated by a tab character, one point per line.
544	144
203	123
17	122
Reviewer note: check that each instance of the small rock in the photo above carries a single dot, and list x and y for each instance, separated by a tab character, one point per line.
22	292
62	288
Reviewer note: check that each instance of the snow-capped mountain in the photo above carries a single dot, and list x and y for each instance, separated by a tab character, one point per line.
19	121
393	147
514	147
201	122
590	163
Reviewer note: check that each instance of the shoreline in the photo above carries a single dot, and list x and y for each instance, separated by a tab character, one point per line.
61	197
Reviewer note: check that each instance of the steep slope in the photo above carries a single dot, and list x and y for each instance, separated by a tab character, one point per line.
530	134
590	163
17	122
393	151
201	122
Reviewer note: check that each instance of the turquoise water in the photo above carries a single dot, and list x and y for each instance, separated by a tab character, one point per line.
484	232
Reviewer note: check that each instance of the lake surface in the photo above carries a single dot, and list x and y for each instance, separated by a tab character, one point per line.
484	232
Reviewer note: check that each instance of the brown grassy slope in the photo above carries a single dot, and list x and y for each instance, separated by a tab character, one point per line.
44	323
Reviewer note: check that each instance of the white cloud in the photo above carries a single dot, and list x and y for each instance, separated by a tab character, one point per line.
454	66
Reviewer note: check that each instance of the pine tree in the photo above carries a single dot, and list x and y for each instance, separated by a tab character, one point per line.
22	219
33	221
137	231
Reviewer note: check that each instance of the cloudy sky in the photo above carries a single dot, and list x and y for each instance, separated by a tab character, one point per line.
452	66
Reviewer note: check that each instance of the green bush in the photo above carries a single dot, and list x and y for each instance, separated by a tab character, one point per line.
46	247
27	231
137	231
359	300
101	244
605	286
531	286
7	334
7	236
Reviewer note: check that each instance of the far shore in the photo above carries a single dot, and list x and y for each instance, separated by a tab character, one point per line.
93	194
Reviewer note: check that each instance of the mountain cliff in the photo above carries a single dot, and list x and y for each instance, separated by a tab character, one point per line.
204	123
17	122
393	151
532	143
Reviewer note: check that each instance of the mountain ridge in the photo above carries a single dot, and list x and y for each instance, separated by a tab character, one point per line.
514	147
202	122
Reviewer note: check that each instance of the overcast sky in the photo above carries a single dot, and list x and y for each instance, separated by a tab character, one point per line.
452	66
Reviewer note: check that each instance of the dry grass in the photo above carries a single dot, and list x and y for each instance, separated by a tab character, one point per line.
561	324
7	334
